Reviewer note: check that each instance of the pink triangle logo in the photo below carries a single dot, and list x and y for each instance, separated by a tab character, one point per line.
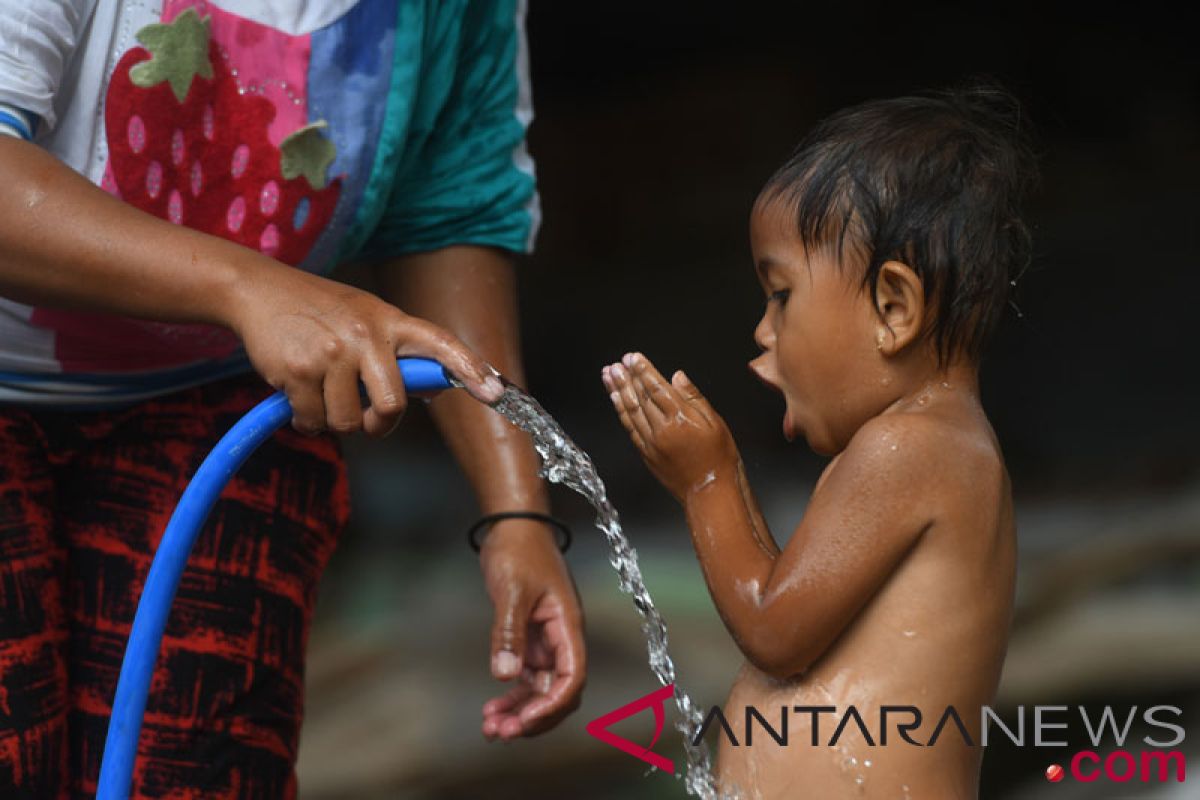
655	700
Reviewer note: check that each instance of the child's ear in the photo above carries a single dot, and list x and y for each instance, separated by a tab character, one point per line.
900	300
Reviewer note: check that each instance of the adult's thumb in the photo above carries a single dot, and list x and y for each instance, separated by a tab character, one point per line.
508	636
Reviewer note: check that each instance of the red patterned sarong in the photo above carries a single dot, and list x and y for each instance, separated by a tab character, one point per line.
84	499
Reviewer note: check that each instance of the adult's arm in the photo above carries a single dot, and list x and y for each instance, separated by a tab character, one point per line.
537	631
65	242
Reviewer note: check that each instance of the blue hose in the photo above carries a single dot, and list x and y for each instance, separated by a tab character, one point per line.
133	685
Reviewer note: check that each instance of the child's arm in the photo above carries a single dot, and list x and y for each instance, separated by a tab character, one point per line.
783	612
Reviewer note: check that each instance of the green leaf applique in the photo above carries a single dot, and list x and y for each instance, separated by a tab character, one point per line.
306	152
179	50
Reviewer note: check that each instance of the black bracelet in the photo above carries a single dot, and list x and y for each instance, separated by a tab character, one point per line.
492	519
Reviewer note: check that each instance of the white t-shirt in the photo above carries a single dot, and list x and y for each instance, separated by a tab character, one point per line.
311	131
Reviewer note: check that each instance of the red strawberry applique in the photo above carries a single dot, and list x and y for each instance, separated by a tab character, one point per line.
187	145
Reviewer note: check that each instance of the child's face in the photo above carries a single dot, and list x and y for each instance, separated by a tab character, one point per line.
818	335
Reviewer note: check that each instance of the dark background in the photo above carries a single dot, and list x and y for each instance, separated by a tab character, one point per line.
656	124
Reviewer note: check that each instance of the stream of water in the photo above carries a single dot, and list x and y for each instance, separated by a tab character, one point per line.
564	462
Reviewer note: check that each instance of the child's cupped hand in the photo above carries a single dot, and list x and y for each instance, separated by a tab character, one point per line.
683	441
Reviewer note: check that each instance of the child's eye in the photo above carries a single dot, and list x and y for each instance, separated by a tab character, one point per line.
780	296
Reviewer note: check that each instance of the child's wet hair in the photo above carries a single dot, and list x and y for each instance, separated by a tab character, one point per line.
934	181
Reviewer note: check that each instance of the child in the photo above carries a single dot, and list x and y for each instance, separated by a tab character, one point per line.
886	247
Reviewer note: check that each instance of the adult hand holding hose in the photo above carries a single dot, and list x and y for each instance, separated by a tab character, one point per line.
315	339
309	336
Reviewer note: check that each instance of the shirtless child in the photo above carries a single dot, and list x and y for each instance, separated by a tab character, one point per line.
886	248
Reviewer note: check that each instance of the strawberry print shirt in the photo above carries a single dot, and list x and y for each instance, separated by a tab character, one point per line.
310	131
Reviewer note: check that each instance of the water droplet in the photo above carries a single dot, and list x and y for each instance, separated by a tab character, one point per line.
895	447
867	763
859	780
910	634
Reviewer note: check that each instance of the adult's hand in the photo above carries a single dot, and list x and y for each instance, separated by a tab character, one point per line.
314	339
538	621
537	633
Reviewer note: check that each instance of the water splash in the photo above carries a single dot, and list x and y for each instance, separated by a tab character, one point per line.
564	462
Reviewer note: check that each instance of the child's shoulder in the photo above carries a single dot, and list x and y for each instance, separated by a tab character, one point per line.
926	451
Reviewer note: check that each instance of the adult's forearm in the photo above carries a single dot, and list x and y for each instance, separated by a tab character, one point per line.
65	242
471	291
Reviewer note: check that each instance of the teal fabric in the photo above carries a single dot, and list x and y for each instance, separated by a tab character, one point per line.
445	171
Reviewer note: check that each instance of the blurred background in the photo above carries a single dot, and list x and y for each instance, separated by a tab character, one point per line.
656	124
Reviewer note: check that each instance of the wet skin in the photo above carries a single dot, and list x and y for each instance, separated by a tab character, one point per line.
897	586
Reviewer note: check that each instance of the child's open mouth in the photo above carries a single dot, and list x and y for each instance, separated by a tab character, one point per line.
789	425
757	371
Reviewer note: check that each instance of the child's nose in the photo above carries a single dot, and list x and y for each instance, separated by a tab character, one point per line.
764	334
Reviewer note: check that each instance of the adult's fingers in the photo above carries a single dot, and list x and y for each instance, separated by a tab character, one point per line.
548	708
385	393
308	406
499	705
564	681
417	337
508	632
343	409
501	714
